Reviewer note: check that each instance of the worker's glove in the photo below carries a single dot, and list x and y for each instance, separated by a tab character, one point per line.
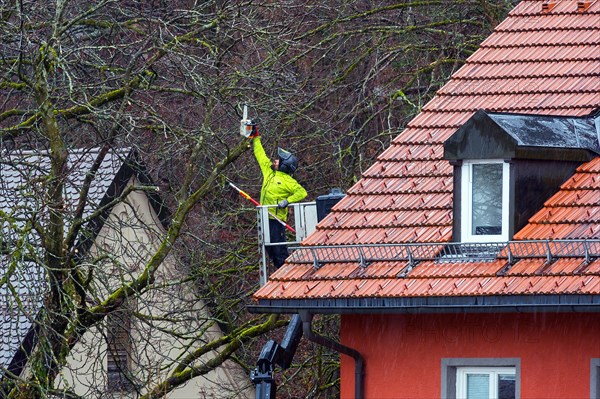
255	132
282	204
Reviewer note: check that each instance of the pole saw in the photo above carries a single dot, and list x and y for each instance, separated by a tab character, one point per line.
247	126
255	202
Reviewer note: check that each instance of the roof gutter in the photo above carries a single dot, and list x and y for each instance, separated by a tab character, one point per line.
463	304
336	346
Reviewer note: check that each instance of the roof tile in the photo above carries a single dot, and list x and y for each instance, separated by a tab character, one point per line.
432	269
535	63
410	168
592	268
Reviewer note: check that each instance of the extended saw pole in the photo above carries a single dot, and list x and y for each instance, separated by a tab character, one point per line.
255	202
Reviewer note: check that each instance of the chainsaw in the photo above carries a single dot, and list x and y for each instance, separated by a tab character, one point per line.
248	127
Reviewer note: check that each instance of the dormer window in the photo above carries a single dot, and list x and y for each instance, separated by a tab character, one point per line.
507	165
485	201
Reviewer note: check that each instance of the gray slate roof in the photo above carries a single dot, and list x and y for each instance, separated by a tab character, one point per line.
551	131
22	196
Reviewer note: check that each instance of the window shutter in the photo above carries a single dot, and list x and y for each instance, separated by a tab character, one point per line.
478	386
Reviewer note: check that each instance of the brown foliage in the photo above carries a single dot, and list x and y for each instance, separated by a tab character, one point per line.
332	81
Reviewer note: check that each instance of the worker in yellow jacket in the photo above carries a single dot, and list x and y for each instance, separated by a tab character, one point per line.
278	188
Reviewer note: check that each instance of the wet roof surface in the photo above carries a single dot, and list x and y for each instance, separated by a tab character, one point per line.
551	131
20	197
542	63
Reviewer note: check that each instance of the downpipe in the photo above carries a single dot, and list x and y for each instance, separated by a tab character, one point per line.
336	346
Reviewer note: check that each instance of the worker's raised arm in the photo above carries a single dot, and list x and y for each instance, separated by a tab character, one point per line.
261	157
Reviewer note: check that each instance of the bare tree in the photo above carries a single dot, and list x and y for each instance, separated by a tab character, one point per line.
334	81
74	75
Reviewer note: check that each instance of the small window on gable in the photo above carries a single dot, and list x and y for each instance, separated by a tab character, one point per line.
119	349
485	204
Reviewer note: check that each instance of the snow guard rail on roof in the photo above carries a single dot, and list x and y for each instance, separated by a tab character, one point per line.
450	252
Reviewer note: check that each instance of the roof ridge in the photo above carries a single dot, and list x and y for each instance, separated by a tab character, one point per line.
536	28
557	44
496	109
533	61
540	76
552	13
495	93
528	45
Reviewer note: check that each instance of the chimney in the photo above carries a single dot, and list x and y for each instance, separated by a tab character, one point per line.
582	6
548	6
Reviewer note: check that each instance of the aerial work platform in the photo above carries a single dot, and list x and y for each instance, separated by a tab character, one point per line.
305	222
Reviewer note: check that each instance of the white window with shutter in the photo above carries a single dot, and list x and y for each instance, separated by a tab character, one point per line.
485	383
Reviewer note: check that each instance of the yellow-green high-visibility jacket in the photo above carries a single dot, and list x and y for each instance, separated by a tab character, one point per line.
277	185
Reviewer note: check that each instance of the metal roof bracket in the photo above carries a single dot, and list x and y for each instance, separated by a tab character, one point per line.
362	259
405	271
410	265
586	252
511	257
411	259
549	257
316	263
510	261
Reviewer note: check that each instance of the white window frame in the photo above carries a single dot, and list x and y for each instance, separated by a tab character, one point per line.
451	365
493	372
467	195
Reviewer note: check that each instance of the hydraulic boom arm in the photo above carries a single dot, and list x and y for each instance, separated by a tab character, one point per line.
276	354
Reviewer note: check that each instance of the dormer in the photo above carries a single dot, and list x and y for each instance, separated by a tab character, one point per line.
507	165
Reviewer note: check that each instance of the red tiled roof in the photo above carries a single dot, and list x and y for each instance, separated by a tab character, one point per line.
534	62
574	212
565	276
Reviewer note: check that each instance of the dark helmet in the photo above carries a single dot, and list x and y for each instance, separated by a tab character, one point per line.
288	163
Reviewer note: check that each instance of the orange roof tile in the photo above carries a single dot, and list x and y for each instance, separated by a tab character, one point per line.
535	62
574	212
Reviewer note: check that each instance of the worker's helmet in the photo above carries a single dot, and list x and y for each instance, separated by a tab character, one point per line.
288	163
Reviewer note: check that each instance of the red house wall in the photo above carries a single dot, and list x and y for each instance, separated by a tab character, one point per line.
403	352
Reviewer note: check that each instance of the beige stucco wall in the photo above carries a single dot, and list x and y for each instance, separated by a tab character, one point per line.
130	236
